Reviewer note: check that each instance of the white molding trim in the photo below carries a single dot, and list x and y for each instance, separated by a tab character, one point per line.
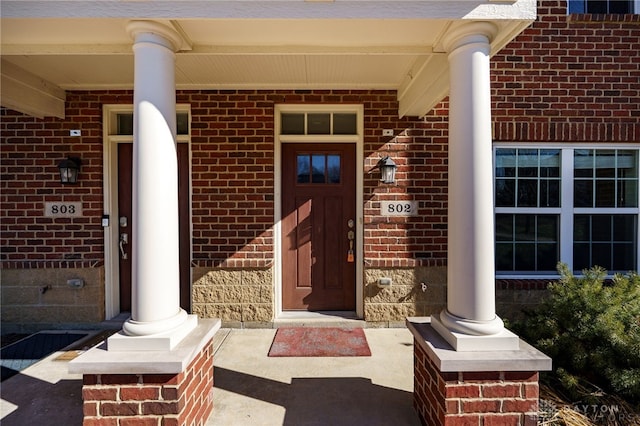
278	141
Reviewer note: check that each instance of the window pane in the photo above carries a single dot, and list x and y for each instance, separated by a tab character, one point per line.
525	257
527	162
505	163
525	227
319	124
318	169
550	163
583	193
304	169
292	123
547	228
600	228
623	228
505	193
547	257
627	164
605	163
527	193
125	124
549	193
582	228
504	227
182	123
583	163
605	193
613	244
504	257
345	124
333	163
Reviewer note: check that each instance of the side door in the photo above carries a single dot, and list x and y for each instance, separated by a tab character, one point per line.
125	161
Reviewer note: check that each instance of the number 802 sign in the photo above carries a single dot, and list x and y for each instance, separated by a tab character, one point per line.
398	208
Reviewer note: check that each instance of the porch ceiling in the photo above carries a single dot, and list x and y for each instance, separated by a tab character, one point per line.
52	46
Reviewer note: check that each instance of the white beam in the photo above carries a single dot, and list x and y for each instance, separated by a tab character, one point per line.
27	93
425	87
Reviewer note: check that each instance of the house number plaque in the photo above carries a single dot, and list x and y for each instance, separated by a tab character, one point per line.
398	208
61	209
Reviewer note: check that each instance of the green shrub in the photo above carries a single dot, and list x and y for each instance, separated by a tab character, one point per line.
591	329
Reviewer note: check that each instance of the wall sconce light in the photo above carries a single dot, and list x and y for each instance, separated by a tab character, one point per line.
387	170
69	170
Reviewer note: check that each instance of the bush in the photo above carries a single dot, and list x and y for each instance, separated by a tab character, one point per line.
591	329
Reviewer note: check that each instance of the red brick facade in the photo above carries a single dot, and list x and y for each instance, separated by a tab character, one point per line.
151	399
473	398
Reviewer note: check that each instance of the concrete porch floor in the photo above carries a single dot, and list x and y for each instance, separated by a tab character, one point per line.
252	389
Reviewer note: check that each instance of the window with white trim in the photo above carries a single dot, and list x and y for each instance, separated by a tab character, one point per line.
578	206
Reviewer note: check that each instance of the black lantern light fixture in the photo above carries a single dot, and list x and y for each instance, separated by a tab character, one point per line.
69	170
387	170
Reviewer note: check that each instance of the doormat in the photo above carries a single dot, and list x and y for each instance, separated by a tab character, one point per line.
320	342
20	355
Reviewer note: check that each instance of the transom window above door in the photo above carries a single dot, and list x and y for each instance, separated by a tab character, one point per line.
319	123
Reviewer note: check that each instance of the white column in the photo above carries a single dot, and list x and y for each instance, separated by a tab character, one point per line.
155	249
470	272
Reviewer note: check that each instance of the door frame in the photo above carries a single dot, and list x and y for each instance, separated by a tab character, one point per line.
110	199
358	140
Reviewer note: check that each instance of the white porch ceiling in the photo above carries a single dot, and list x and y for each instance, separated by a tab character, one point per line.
52	46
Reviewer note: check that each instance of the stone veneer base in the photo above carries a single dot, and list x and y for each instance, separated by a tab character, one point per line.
171	388
486	387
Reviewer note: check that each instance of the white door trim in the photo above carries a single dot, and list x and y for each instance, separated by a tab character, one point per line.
357	139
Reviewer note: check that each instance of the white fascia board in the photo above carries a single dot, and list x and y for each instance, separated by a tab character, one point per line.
27	93
272	9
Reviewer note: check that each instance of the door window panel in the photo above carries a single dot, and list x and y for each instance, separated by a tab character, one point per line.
318	168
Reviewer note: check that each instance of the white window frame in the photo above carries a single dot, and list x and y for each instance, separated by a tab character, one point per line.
566	209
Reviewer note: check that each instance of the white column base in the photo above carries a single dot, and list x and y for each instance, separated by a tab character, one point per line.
162	341
503	340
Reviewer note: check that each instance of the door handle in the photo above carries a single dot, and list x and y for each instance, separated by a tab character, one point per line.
124	239
350	236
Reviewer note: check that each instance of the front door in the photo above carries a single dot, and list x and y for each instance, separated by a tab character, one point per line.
318	227
125	161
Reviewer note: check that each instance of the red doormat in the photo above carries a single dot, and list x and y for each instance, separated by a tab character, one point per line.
321	341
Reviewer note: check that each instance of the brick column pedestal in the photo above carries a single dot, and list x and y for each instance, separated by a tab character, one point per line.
159	388
473	398
486	388
151	399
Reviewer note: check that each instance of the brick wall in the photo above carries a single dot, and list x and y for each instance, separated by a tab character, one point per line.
466	398
569	78
151	399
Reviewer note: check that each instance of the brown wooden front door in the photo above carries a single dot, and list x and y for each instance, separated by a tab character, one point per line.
123	222
318	227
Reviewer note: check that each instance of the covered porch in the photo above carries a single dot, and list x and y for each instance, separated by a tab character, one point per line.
424	51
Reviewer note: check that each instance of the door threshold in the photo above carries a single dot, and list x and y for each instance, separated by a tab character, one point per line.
319	319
